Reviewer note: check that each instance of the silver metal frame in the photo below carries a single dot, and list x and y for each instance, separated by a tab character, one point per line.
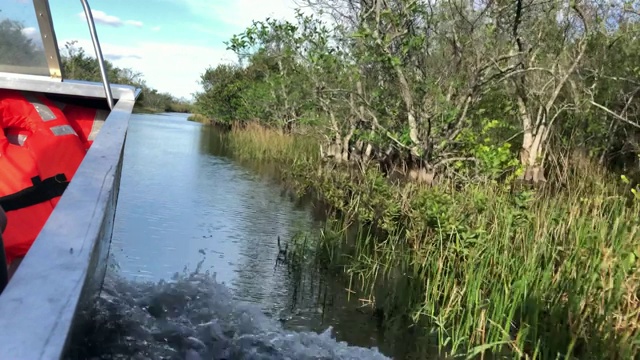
65	266
56	83
52	52
96	47
67	87
49	41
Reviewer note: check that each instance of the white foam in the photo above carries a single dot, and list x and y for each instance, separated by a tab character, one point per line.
194	317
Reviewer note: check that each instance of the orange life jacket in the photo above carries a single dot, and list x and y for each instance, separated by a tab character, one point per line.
87	122
39	154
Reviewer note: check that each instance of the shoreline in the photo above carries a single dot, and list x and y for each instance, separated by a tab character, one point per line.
467	260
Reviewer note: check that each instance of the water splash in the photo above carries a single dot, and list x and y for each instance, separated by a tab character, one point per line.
194	317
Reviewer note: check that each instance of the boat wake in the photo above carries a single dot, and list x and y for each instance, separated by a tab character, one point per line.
194	317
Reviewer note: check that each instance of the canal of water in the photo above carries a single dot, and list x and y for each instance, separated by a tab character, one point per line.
193	270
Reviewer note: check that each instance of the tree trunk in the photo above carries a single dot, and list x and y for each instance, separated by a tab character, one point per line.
422	175
532	155
332	151
345	150
346	140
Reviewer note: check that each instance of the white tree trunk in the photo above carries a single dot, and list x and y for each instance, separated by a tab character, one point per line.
532	153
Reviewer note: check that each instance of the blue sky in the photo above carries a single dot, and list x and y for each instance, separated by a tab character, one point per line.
170	41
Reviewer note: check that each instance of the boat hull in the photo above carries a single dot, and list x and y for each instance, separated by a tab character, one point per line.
65	267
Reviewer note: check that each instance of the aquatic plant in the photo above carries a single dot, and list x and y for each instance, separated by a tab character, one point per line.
481	268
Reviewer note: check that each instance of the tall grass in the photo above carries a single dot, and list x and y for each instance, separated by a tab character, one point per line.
199	118
548	278
486	269
252	141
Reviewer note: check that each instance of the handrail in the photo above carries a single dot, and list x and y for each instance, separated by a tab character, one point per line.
4	271
96	46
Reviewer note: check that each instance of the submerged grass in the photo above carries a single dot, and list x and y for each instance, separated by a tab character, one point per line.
487	270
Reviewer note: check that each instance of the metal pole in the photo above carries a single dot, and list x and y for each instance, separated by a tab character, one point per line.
96	46
4	271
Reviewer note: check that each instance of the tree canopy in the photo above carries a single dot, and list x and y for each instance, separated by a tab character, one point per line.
16	48
445	88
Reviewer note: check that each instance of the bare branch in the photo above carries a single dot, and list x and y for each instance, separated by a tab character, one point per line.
612	113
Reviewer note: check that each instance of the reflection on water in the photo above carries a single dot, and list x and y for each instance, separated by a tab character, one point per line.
182	204
177	200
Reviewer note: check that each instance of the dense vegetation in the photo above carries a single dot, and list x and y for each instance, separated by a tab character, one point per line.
486	151
15	48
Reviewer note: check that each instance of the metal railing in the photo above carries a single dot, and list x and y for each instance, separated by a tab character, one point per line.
4	271
96	46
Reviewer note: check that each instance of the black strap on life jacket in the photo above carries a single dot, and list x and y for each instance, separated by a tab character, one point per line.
41	191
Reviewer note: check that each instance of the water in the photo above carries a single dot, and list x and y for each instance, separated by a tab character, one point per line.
194	253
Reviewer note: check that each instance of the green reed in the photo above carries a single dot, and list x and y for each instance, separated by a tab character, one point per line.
544	277
486	270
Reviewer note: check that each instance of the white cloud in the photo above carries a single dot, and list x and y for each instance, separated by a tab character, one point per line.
115	56
135	23
168	67
32	33
102	17
156	28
